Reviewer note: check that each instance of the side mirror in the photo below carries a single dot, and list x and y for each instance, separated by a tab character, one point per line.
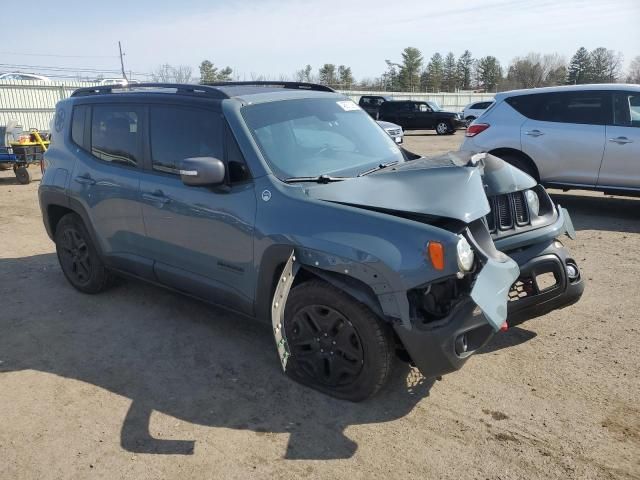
202	171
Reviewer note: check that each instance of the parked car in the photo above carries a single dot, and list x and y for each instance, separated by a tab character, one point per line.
393	130
418	115
371	103
24	76
286	202
474	110
582	136
117	81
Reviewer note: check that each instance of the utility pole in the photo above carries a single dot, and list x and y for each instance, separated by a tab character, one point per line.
124	75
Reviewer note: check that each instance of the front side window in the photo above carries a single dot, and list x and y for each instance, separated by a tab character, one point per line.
311	137
116	134
626	109
181	132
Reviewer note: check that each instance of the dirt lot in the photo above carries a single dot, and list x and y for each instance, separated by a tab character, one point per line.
142	383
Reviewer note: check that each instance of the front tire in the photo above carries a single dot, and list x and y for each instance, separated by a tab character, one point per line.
338	345
443	128
78	257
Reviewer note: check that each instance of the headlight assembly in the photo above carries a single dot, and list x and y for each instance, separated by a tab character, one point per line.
465	255
533	201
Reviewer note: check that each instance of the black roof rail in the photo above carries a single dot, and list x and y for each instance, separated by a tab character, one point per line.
182	88
274	83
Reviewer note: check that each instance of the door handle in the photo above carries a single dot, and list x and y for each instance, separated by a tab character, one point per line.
534	133
620	140
85	180
156	197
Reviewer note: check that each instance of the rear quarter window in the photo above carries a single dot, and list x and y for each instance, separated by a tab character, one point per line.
78	122
580	107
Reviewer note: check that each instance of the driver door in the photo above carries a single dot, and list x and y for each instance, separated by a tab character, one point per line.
200	238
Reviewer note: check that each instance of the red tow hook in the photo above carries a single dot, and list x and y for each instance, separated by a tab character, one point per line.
504	327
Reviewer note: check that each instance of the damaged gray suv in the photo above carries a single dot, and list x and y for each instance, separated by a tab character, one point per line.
285	202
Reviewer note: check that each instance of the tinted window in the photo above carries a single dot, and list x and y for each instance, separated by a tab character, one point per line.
116	133
178	133
78	123
626	109
566	107
481	105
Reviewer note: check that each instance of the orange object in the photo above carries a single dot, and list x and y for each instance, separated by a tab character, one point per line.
436	255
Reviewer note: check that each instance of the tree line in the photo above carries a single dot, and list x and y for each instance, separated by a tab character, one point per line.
446	73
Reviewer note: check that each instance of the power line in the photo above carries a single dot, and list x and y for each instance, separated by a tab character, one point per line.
66	69
56	55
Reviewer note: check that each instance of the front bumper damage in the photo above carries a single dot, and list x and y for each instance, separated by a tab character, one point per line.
443	346
550	278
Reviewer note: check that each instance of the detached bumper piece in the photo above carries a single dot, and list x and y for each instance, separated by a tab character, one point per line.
547	282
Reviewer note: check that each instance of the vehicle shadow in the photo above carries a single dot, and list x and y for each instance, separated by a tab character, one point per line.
178	356
512	337
601	212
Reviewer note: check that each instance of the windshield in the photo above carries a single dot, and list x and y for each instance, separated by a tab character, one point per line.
311	137
434	106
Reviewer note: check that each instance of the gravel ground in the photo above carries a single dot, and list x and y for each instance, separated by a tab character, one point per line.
142	383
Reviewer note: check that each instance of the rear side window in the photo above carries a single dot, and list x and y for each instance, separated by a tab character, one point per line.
78	122
181	132
116	134
593	108
626	109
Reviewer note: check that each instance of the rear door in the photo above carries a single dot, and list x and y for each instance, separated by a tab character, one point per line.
201	238
564	133
106	179
621	163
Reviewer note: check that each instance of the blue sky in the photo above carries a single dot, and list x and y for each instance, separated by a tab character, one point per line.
273	37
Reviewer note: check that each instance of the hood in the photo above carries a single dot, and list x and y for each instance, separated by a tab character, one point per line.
441	188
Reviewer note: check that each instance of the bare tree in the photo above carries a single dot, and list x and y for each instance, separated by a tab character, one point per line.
537	70
634	71
169	74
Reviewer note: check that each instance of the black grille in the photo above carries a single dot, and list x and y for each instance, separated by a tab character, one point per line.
521	212
507	211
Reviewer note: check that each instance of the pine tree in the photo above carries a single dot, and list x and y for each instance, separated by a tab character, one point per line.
579	70
345	76
450	74
434	73
489	72
410	69
465	69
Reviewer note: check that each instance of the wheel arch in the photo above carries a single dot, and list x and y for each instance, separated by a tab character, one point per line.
499	152
274	261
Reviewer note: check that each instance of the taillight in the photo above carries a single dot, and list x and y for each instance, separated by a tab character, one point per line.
475	129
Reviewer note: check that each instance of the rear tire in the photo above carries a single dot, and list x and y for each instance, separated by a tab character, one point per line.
338	345
443	128
78	257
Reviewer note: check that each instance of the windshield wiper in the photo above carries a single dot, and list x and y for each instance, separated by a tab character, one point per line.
379	167
318	179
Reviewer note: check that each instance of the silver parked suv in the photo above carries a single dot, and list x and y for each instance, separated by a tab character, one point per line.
582	136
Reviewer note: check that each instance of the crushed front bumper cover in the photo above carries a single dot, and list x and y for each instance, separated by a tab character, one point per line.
444	346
